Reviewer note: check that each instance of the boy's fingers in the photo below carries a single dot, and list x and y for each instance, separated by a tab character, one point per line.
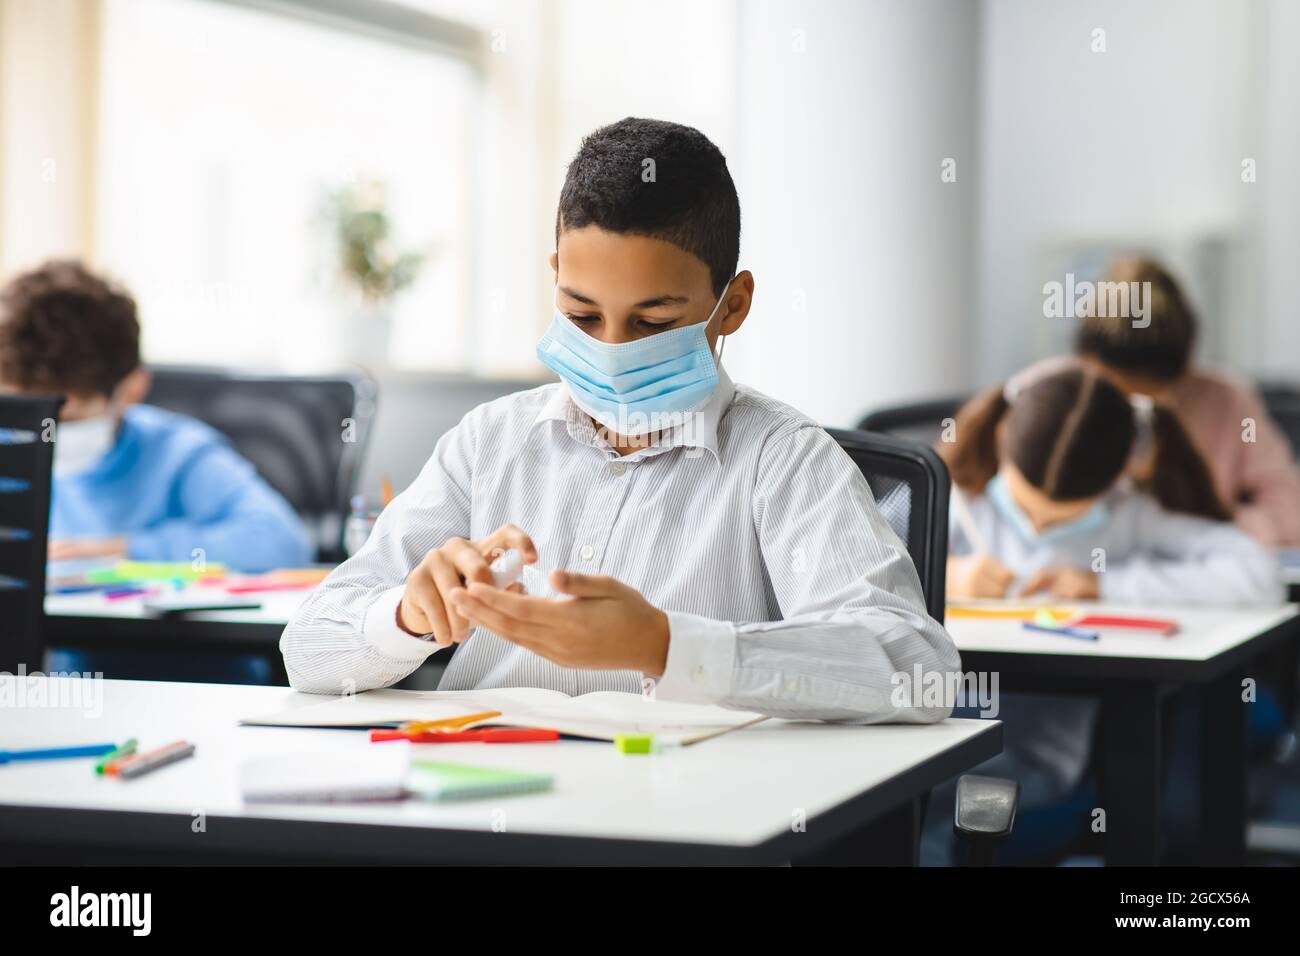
531	610
510	536
424	596
494	619
583	585
446	580
467	560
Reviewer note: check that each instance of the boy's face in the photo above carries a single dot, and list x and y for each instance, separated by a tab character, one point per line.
619	288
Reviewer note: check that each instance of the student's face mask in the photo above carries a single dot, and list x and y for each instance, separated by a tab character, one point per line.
1091	521
80	445
636	387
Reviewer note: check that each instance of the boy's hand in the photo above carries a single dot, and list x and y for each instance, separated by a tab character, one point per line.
604	625
977	576
424	608
71	549
1068	583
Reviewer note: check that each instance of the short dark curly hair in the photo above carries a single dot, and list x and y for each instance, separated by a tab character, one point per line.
689	200
64	329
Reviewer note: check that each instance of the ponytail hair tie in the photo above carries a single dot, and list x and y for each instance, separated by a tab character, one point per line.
1144	416
1144	409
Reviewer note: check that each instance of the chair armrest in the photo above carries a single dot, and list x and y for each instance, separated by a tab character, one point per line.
986	808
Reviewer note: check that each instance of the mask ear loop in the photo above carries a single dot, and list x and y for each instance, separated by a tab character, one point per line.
722	339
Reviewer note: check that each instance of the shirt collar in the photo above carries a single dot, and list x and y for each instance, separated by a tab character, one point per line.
701	431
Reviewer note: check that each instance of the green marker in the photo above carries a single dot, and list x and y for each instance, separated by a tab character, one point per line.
125	750
634	743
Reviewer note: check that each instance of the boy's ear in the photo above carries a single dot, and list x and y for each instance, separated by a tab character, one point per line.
133	389
739	298
555	264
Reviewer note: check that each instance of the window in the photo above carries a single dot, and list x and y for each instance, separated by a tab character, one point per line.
221	130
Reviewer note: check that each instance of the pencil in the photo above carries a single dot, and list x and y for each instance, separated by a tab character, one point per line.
968	525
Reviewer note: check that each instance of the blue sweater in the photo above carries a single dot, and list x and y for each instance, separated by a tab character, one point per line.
171	484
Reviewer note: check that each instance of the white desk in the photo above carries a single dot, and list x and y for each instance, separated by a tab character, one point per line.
728	800
1205	635
277	607
90	621
1133	674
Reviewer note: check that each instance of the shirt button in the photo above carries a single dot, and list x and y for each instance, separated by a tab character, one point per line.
586	552
699	675
791	686
617	467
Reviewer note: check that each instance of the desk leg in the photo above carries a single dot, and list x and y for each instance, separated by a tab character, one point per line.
1223	772
1130	774
893	839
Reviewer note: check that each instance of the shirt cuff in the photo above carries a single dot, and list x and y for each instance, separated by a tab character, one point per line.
701	656
382	631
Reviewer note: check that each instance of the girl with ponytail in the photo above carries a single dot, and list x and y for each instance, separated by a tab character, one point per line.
1043	505
1038	468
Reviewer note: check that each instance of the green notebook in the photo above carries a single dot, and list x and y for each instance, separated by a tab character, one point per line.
434	780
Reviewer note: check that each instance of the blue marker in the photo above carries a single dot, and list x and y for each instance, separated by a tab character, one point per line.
57	753
1063	631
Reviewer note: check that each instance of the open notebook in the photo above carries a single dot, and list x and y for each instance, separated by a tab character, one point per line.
601	716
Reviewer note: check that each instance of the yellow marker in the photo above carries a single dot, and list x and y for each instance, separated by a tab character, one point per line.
386	490
447	723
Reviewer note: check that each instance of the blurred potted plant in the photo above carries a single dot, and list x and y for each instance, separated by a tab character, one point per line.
368	265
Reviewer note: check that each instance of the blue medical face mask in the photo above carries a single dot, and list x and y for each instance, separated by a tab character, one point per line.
637	387
1092	520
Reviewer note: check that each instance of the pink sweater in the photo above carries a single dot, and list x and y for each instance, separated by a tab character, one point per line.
1258	480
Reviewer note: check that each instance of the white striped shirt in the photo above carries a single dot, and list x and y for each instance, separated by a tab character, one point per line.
786	592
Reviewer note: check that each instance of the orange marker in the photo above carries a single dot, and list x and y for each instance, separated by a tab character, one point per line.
386	490
446	724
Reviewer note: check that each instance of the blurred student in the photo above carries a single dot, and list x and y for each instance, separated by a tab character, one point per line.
1249	458
676	528
131	481
1039	470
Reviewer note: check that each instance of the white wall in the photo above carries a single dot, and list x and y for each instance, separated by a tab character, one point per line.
1143	142
1276	200
836	152
862	257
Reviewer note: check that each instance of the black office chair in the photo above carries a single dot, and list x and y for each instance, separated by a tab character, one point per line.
910	483
26	458
305	435
921	422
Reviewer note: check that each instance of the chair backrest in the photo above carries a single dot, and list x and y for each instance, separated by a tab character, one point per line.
920	422
1283	403
305	435
26	458
910	483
